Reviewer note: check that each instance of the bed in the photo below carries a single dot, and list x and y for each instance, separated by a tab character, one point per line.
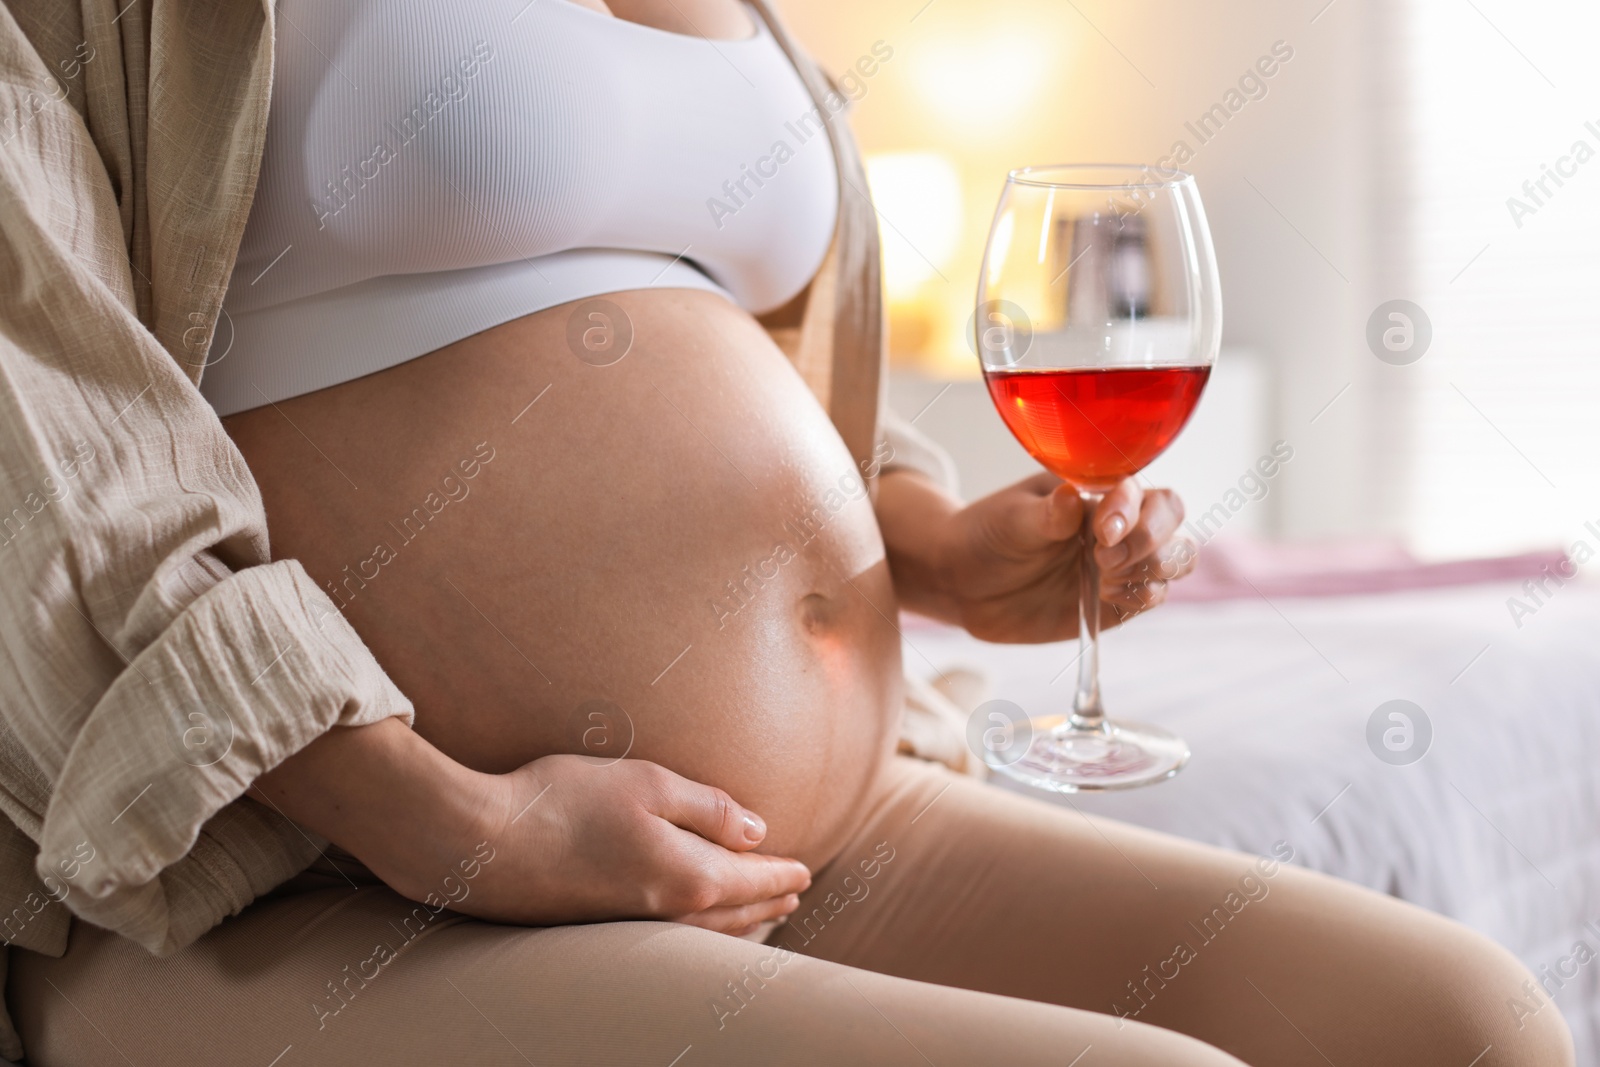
1496	825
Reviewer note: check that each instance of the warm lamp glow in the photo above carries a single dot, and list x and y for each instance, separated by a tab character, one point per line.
1003	231
918	195
977	82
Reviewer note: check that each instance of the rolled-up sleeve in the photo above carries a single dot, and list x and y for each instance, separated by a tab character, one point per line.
154	660
247	674
908	448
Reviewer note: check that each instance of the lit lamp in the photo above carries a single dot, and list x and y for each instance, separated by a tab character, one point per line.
975	96
918	196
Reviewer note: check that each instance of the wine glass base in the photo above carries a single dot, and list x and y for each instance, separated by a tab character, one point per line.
1120	755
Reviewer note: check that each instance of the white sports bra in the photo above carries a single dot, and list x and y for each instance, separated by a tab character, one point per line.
431	171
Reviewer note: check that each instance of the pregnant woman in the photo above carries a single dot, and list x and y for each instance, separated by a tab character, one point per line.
553	351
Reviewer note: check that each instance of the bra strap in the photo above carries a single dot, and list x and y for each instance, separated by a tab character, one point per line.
843	340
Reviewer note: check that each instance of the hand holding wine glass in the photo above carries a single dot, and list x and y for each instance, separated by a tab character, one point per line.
1099	319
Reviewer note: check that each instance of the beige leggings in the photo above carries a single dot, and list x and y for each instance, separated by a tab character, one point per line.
961	925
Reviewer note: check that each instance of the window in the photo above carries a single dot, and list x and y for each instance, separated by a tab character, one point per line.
1500	208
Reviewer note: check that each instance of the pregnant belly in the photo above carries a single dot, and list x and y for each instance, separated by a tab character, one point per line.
671	557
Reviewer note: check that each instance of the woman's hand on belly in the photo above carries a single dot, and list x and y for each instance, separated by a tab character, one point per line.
1006	567
563	839
591	839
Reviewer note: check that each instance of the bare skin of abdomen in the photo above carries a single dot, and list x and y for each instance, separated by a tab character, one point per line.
671	557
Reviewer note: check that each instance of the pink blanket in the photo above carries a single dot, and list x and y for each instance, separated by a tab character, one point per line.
1232	567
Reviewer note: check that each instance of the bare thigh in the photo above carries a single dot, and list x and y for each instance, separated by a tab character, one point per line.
955	882
350	976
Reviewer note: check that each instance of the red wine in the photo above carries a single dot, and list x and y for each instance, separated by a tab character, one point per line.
1096	426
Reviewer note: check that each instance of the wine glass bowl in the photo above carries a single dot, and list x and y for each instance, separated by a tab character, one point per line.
1099	317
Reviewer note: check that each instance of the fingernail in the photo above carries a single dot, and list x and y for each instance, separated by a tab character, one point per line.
754	828
1113	557
1116	526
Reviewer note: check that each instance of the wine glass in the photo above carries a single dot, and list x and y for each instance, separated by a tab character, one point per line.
1099	317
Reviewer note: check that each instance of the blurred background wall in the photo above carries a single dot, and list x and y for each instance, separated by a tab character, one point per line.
1377	162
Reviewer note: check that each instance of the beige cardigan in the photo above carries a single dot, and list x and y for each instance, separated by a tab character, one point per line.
144	627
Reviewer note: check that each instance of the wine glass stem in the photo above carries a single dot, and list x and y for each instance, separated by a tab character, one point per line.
1086	711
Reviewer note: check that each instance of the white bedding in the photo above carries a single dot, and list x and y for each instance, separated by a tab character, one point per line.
1498	825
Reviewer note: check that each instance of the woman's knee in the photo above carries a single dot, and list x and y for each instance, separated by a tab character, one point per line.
1488	993
1355	976
1439	992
